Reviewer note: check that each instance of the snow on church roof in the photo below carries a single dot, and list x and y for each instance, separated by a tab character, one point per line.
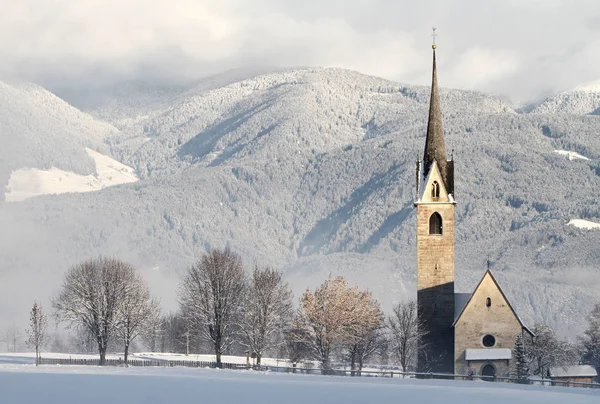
574	371
489	354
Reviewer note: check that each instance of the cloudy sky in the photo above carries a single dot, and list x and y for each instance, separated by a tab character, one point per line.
522	49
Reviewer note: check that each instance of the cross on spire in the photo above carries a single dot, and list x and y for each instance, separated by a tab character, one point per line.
433	35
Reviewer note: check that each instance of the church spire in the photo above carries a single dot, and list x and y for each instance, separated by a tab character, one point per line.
435	149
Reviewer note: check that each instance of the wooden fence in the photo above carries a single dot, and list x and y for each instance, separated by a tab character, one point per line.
139	362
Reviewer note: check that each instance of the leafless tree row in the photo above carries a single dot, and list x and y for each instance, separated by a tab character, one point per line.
108	299
226	310
223	306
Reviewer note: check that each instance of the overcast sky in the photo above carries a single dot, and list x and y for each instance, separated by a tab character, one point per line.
522	49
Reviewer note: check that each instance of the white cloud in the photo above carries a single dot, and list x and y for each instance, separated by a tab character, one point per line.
481	68
522	49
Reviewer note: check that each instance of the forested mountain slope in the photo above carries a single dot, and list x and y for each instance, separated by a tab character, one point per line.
582	100
312	170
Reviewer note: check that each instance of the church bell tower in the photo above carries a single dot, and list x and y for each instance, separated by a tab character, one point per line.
435	243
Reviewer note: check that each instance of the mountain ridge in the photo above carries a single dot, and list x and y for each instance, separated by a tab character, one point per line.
312	171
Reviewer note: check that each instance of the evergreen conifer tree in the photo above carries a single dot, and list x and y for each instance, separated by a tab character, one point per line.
521	361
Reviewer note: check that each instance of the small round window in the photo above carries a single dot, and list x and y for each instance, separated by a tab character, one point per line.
489	341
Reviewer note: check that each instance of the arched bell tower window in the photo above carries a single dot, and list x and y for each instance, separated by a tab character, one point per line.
488	302
435	190
435	224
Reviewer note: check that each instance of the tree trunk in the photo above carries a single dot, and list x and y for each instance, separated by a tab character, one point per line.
353	361
258	356
360	366
325	366
218	355
102	351
126	354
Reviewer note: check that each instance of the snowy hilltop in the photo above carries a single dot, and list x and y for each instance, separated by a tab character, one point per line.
581	100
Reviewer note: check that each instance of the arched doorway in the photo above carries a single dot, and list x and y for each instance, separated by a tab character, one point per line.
488	373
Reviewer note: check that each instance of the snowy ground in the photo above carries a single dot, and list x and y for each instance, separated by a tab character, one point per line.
571	154
95	385
29	182
584	224
22	382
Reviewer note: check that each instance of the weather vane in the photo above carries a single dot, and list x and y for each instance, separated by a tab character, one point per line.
433	35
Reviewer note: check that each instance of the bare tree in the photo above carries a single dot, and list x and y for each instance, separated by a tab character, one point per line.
266	311
82	340
13	336
334	315
211	296
365	345
36	333
91	294
137	312
590	341
406	333
545	351
173	328
154	332
297	347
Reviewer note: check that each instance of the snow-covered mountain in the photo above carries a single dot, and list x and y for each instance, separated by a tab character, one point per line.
312	170
583	99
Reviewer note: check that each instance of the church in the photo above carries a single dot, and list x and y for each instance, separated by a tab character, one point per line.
466	333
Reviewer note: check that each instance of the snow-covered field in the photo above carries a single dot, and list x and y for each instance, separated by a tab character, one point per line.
95	385
29	182
22	382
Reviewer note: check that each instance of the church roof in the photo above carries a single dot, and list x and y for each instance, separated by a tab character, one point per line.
574	371
462	310
460	301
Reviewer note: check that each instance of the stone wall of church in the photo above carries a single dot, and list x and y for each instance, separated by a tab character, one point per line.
479	320
435	279
435	253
